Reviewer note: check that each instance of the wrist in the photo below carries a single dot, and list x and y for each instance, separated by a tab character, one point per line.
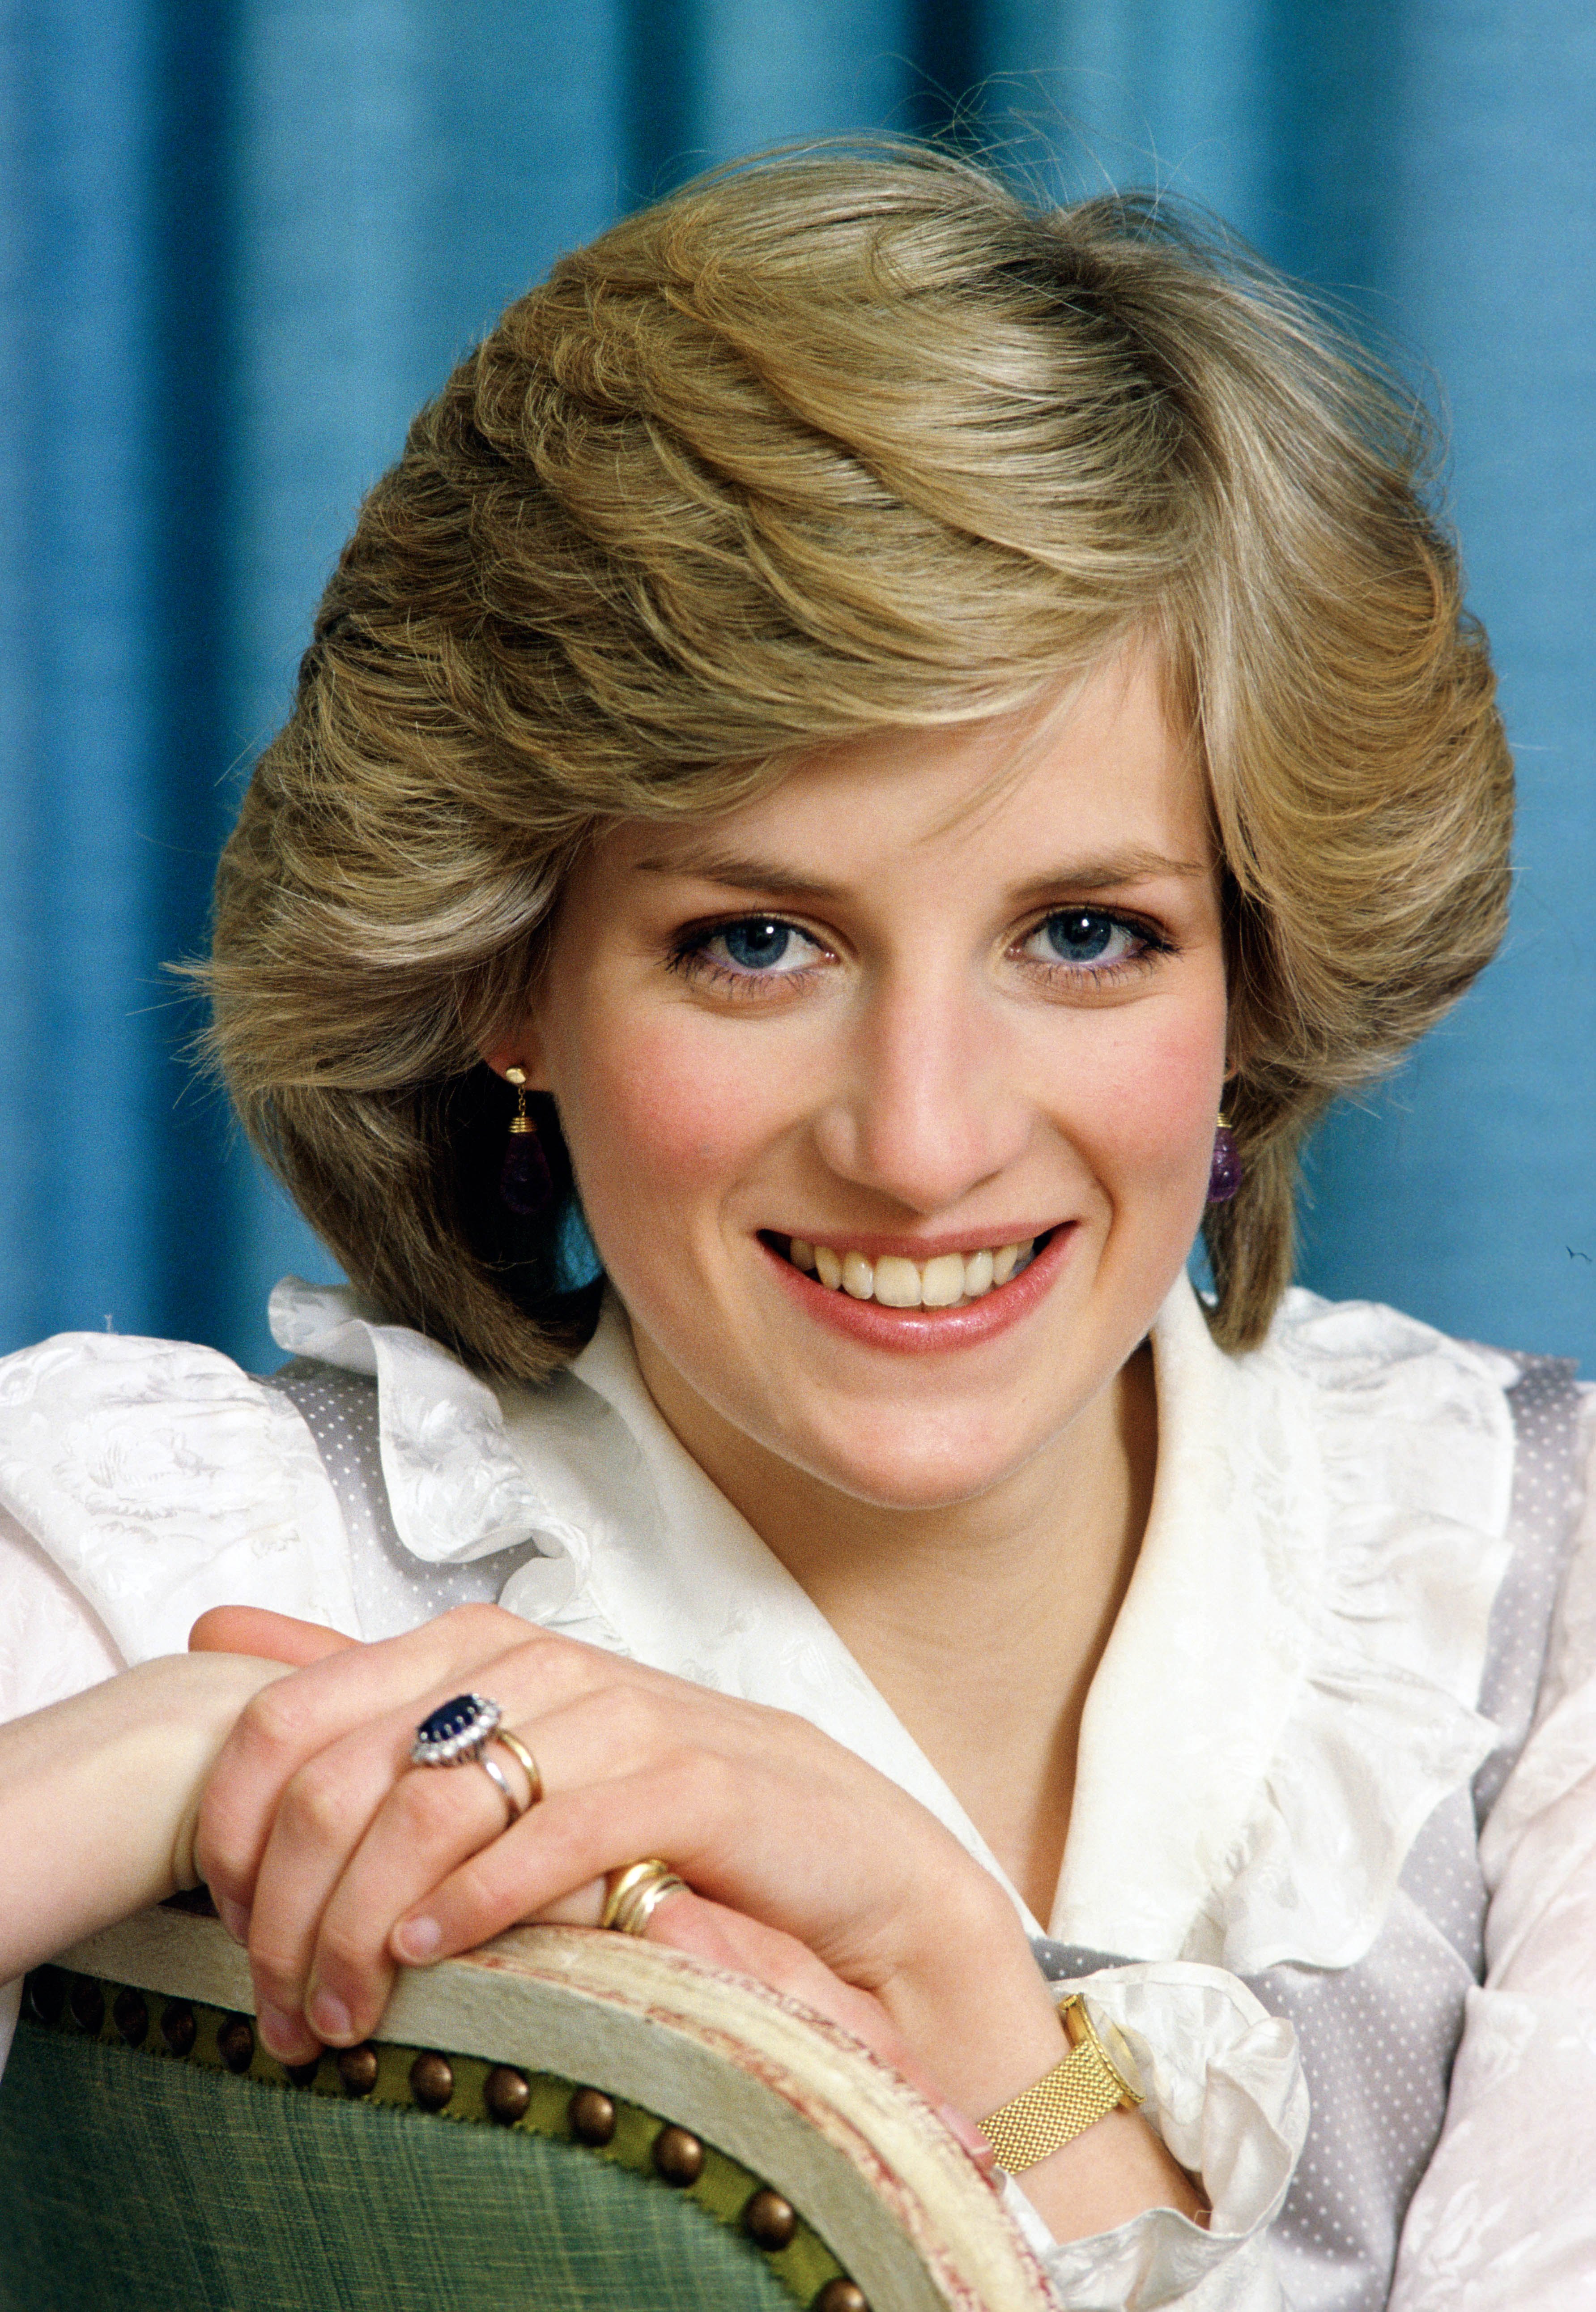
1075	2141
969	1996
105	1784
1086	2083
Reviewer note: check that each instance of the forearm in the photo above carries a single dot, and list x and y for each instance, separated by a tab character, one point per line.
99	1797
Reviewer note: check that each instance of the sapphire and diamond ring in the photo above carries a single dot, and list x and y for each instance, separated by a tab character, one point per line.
456	1733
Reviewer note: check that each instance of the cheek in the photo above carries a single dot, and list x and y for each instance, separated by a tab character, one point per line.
657	1109
1157	1106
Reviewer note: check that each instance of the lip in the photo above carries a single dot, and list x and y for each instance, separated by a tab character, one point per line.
915	1331
919	1247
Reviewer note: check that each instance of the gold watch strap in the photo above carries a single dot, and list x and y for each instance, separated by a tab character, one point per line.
1074	2095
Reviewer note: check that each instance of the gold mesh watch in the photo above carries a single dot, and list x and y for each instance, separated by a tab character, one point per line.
1088	2084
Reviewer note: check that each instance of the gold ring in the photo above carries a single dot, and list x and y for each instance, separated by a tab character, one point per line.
523	1758
636	1892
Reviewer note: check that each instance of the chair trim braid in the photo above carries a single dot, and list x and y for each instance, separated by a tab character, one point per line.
431	2085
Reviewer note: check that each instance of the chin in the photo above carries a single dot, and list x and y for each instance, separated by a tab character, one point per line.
911	1472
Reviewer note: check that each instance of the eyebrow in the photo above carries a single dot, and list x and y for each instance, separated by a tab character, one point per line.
738	872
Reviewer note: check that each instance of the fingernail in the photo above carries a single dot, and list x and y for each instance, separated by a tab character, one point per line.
416	1939
233	1916
284	2034
328	2016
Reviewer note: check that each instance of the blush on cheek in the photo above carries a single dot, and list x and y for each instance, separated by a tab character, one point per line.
656	1118
1160	1109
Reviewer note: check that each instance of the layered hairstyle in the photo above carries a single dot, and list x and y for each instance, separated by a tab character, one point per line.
817	445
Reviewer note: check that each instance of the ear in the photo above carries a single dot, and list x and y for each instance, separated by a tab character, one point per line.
524	1049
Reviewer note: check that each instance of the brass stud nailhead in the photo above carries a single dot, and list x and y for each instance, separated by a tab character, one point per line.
506	2094
678	2156
47	1993
357	2068
235	2043
131	2017
431	2081
87	2003
770	2219
177	2026
592	2116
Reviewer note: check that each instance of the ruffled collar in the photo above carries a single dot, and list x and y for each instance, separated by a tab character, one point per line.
1287	1694
1290	1687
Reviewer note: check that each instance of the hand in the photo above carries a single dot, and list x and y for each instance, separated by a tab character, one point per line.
335	1860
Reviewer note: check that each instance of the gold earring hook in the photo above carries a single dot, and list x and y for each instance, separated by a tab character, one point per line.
520	1121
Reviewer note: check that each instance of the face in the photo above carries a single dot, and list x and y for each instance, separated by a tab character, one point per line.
891	1095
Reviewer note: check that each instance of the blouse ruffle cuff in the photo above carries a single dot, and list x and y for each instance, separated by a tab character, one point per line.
1226	2092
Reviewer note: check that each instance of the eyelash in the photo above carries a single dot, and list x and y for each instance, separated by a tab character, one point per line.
1150	944
689	955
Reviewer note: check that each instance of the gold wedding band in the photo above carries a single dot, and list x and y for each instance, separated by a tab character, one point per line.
524	1760
636	1892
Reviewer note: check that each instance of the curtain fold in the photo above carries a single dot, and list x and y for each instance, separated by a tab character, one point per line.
241	241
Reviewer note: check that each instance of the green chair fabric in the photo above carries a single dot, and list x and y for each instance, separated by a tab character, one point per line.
563	2122
217	2194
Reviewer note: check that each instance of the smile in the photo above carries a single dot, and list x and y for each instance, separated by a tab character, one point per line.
949	1280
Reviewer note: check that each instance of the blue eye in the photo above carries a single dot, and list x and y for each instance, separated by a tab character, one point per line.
756	948
1084	937
1079	937
757	945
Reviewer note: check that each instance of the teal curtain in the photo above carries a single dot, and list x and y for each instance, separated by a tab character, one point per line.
243	238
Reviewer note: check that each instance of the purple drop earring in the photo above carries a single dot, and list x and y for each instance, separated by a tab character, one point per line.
1224	1171
525	1187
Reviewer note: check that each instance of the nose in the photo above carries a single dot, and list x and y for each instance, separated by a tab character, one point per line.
929	1105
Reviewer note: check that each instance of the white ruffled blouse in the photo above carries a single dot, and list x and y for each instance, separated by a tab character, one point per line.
1288	1692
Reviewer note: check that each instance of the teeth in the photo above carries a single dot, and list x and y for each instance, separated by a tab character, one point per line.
894	1282
898	1282
858	1276
943	1280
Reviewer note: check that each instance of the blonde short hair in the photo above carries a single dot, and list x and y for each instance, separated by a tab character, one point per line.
815	446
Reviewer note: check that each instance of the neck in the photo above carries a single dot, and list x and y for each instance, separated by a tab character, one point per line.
981	1622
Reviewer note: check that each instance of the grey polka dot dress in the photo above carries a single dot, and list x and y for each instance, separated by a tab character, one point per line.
1378	2038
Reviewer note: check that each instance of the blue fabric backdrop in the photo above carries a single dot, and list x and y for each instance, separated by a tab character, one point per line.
242	238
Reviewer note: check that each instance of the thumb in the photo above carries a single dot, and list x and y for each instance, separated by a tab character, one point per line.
269	1637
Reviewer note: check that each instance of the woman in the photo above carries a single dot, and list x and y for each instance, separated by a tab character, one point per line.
879	712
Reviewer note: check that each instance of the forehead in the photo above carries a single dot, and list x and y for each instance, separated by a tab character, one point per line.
1093	772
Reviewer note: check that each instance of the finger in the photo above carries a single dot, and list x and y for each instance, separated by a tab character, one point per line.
426	1824
727	1938
583	1907
569	1840
269	1637
433	1816
319	1704
360	1833
430	1822
358	1836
